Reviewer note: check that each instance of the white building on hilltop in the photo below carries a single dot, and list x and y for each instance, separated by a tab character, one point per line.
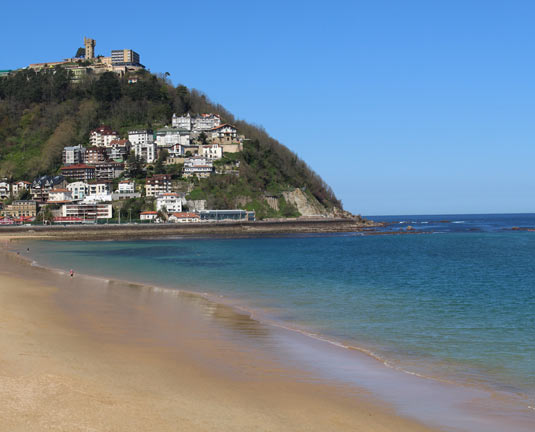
196	123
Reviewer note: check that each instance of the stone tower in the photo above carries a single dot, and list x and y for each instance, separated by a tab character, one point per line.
89	48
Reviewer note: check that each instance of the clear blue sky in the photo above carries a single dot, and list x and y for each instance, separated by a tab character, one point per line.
403	107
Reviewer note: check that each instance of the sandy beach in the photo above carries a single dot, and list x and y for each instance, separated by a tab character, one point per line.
77	356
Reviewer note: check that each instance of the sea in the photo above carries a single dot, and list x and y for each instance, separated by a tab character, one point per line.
451	299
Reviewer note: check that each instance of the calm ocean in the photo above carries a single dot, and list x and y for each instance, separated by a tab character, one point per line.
458	304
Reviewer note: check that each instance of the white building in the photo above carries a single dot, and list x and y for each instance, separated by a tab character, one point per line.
73	155
5	189
87	212
102	136
59	195
212	151
99	188
182	217
172	202
168	137
206	122
79	190
224	134
19	186
199	166
148	215
182	122
127	186
147	151
143	136
196	123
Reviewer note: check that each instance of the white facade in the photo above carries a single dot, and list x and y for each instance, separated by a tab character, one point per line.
87	212
99	188
170	201
19	186
182	122
5	189
140	136
79	190
199	166
127	186
148	216
58	195
102	137
146	151
212	152
97	198
197	123
168	137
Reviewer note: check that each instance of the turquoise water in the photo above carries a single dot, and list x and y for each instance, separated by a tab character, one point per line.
455	305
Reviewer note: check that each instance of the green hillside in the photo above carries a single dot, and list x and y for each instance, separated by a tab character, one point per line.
42	112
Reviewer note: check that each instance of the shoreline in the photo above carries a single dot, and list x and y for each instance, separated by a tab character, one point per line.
251	389
223	229
386	388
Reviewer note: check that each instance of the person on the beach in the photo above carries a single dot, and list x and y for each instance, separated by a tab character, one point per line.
72	272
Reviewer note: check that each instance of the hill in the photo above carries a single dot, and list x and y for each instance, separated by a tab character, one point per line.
42	112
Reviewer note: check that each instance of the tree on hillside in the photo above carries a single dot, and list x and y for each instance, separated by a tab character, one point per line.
135	166
80	52
107	88
203	138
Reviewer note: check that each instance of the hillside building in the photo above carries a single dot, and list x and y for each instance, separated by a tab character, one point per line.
73	155
158	185
81	172
171	202
196	123
102	136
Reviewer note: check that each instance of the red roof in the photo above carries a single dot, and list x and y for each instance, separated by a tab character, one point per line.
148	212
222	126
119	141
104	130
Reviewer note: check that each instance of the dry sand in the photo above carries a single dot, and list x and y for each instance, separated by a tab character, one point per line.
77	359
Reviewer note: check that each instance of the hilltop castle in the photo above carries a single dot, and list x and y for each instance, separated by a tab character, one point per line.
120	62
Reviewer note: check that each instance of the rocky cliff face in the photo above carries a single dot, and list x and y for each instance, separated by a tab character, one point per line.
305	204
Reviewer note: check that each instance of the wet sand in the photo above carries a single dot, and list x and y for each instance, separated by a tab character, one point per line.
82	354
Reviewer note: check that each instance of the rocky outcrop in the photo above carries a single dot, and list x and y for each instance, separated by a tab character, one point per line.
305	204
